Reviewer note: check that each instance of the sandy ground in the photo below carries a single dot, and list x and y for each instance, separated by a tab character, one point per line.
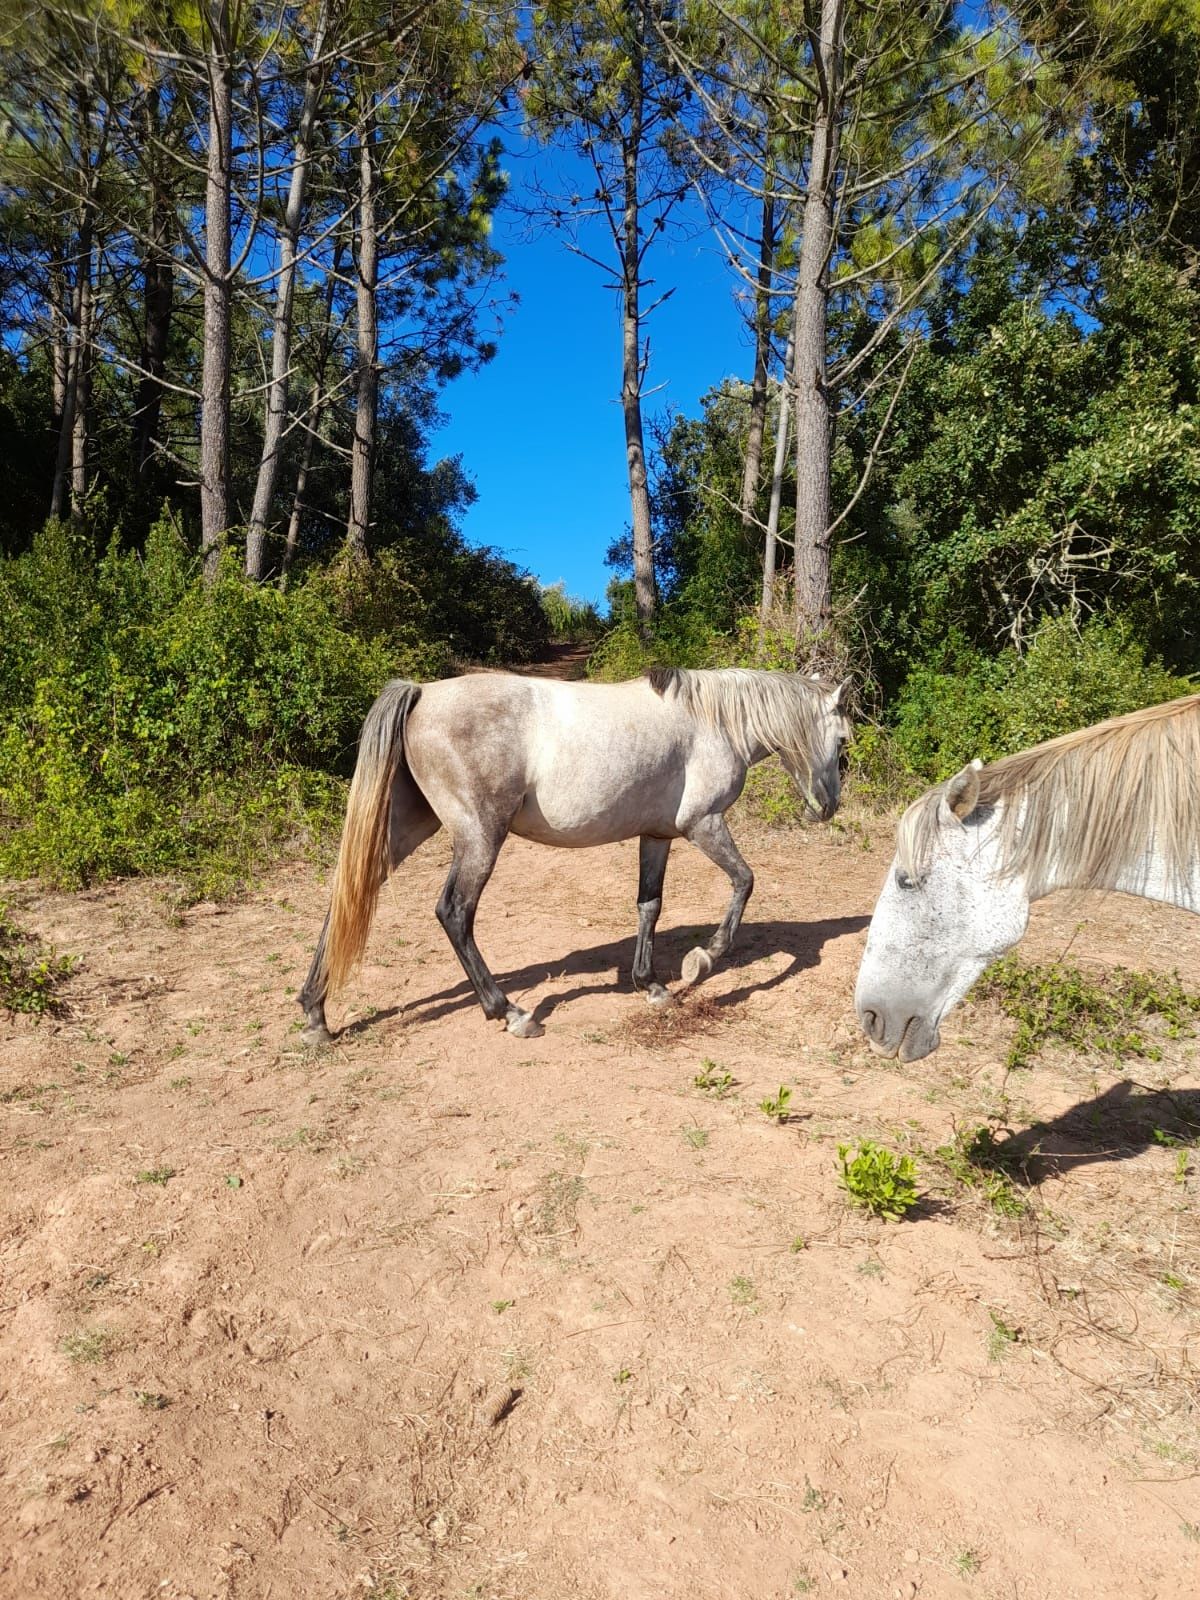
439	1312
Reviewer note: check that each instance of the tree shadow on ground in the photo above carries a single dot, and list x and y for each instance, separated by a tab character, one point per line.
606	968
1126	1119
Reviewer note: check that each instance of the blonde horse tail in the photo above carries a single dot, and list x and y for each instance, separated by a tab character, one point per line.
364	858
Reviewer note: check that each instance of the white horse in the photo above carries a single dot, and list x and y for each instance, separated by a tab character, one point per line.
1115	806
570	764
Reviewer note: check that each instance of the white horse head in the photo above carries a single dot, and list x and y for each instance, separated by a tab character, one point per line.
1115	806
936	929
818	771
804	720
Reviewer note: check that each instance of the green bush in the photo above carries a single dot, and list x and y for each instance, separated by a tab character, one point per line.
1104	1015
675	638
570	620
29	973
880	1182
970	705
151	724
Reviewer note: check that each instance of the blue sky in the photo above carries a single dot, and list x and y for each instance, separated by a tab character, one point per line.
539	429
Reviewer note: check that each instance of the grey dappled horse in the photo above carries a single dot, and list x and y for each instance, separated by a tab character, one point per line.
570	764
1114	806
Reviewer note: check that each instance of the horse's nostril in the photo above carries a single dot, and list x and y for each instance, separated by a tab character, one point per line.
872	1024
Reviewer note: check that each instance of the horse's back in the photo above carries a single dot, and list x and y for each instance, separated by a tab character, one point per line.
564	763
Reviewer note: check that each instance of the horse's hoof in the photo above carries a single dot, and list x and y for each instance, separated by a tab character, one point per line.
316	1038
522	1026
659	998
697	964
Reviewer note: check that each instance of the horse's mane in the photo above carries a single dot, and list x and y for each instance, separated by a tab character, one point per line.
776	711
1087	808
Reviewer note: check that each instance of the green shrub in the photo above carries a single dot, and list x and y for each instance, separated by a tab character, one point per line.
29	973
880	1182
1105	1015
153	724
674	638
971	705
570	620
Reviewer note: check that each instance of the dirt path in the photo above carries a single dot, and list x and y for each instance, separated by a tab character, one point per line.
562	661
441	1313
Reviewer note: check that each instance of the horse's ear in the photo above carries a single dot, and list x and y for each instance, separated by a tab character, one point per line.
844	698
962	792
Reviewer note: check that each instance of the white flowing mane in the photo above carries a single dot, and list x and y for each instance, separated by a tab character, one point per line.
776	711
1090	807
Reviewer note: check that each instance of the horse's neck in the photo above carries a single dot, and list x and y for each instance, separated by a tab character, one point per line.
1150	878
1153	880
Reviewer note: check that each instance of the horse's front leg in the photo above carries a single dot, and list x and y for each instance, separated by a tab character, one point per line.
712	836
652	868
469	872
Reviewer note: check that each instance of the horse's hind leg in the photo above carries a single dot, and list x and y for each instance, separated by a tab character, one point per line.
469	872
652	868
712	836
312	997
411	821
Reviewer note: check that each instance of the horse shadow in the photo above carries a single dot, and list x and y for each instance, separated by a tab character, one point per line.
1122	1122
608	968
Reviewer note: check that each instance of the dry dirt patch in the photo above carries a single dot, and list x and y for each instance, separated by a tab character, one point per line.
440	1312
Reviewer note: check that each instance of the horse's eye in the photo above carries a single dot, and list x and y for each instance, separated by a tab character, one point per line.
903	881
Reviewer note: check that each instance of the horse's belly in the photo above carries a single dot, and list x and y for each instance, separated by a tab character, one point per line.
601	814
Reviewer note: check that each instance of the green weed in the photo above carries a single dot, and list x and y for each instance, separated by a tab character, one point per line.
1000	1337
713	1080
880	1182
776	1106
29	971
742	1291
89	1346
160	1175
814	1499
974	1160
696	1137
1105	1015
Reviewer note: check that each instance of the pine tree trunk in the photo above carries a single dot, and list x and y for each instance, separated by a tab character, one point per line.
762	358
367	398
782	429
292	542
316	408
66	410
644	587
814	414
81	408
159	290
72	444
218	291
60	341
158	281
281	331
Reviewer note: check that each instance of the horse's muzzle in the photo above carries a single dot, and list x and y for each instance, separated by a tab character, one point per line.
908	1037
